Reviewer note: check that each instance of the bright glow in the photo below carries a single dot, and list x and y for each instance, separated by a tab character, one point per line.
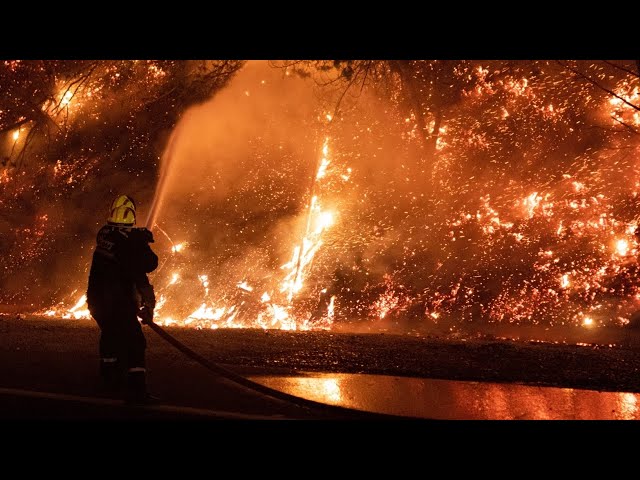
245	286
622	247
82	301
322	170
331	307
325	220
628	405
331	390
66	98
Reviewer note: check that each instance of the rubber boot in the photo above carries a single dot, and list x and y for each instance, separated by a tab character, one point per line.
110	374
136	388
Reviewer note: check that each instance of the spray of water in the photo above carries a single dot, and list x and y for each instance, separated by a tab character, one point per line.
165	168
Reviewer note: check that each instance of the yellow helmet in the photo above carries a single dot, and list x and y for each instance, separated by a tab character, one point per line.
123	211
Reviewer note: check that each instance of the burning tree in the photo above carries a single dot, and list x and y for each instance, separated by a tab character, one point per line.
508	202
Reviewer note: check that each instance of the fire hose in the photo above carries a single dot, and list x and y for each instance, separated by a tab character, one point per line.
260	388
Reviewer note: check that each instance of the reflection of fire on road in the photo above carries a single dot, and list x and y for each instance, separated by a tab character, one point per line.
458	400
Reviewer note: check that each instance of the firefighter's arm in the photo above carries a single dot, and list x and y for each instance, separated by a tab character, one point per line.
143	256
148	260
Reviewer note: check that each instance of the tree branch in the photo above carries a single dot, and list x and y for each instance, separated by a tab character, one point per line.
15	125
344	92
628	126
631	72
590	80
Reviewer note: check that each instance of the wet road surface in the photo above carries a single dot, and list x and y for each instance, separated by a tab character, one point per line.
457	400
48	370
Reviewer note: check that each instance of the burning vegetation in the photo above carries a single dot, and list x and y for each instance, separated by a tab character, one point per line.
310	194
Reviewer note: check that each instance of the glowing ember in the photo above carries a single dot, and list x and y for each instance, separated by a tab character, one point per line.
178	247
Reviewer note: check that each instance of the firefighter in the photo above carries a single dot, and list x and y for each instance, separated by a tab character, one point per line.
118	293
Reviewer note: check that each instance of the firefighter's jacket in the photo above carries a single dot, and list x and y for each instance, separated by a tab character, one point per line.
118	283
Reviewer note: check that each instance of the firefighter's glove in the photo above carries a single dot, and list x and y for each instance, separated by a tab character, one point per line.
146	315
148	296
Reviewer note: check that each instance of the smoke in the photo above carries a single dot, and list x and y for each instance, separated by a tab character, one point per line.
238	186
237	183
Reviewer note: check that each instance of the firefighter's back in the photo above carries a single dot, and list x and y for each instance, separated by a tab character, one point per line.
111	285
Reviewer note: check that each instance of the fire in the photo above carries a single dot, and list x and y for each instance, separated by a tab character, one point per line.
78	311
384	304
531	202
516	234
311	241
324	161
622	247
325	220
245	286
209	313
621	111
323	168
66	98
178	247
276	307
16	135
160	303
331	308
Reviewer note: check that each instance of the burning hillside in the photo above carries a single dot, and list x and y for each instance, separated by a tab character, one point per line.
305	194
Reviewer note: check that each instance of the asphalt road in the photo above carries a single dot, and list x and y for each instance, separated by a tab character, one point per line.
48	370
